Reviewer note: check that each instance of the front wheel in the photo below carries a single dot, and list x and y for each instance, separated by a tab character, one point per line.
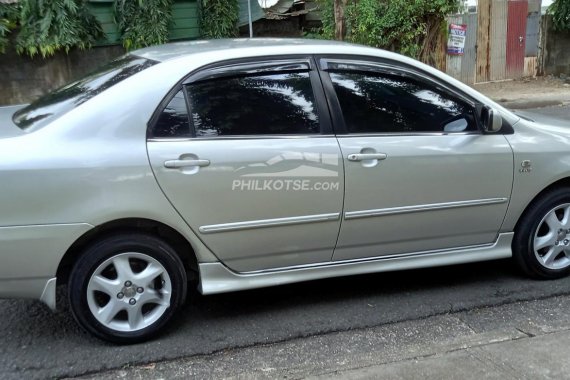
541	245
125	288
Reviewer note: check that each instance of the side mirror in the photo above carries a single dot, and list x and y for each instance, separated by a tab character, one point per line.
492	120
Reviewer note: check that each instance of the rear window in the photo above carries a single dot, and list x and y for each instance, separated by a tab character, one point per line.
56	103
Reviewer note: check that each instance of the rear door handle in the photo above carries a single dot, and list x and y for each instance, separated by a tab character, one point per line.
177	164
367	156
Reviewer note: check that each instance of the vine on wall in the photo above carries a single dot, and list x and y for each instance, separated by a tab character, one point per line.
47	26
8	21
143	22
44	27
219	18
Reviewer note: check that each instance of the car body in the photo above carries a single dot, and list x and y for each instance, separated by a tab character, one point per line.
237	164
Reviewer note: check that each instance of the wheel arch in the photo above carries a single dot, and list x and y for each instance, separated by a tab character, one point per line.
178	242
561	183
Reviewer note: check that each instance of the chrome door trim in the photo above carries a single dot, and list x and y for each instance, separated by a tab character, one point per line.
217	278
419	208
408	134
238	137
212	228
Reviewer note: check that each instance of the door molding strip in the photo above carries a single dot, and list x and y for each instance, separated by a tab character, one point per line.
419	208
212	228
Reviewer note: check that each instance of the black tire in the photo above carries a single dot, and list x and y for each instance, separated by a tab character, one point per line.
526	230
122	246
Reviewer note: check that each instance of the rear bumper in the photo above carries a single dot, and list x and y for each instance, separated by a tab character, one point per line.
30	256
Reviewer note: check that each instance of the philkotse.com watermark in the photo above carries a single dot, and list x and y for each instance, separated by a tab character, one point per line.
290	171
284	184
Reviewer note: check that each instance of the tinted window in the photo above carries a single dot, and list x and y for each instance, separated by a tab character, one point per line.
173	121
377	104
58	102
256	105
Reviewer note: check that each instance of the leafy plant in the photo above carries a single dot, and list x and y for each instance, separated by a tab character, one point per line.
51	25
560	11
8	20
327	18
143	22
408	27
218	18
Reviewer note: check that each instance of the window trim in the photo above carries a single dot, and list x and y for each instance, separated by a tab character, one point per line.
245	67
391	69
382	67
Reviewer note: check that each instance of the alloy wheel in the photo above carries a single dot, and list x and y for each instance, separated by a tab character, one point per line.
129	291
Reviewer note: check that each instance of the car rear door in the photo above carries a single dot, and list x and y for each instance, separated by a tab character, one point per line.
245	152
419	174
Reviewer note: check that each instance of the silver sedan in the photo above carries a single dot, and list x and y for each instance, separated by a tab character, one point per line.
237	164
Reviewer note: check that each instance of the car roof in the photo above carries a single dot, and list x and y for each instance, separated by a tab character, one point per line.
174	50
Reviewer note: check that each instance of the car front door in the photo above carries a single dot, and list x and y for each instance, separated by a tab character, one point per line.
420	175
246	154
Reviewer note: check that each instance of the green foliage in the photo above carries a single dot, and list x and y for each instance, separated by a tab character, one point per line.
327	18
219	18
560	11
399	25
8	20
51	25
143	22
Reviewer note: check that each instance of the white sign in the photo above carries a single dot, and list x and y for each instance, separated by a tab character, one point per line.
456	40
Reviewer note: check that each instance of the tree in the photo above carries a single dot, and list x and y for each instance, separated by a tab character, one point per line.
408	27
560	11
339	19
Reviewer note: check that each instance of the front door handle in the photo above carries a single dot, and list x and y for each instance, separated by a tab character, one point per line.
177	164
367	156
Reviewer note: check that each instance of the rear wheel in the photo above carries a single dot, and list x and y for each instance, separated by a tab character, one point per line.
125	288
541	245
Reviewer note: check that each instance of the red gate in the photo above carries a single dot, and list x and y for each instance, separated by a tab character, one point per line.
516	37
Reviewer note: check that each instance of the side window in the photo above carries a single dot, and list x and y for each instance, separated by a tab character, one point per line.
281	103
387	103
173	121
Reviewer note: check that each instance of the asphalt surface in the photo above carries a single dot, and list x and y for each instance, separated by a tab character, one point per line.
525	340
562	111
37	343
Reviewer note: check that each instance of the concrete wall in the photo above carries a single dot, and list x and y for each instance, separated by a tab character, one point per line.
23	79
555	50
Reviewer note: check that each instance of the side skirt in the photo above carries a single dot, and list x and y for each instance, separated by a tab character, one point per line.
217	278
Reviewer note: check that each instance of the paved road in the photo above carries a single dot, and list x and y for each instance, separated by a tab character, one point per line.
36	343
562	112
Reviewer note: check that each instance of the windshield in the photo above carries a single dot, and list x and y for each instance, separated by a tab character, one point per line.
56	103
